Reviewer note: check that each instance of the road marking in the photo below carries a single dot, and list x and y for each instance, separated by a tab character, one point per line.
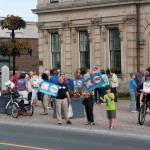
23	146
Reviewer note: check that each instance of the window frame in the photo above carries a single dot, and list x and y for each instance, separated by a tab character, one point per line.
115	61
81	65
55	52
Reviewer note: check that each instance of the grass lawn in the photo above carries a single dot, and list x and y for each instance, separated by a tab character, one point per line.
123	98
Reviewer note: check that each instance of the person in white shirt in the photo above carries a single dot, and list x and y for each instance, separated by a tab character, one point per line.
114	83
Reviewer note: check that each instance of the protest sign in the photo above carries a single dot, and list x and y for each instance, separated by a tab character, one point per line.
146	87
93	82
78	83
49	88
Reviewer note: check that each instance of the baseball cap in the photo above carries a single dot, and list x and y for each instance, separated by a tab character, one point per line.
107	87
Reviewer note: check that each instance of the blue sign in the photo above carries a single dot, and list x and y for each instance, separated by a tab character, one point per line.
93	82
78	82
49	88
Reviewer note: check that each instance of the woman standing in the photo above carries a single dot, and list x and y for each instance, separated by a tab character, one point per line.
46	97
22	86
88	102
114	83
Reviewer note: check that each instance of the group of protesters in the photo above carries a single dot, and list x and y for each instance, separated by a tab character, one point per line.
28	85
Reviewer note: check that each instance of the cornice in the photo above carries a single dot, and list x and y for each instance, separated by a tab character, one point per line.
84	5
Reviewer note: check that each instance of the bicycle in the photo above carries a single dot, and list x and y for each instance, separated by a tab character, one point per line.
144	110
13	96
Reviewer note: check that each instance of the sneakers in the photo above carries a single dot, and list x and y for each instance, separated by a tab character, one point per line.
110	127
92	123
68	122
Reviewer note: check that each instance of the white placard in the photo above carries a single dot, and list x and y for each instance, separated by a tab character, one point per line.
146	87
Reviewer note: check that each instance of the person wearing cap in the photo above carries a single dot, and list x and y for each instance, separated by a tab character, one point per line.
110	106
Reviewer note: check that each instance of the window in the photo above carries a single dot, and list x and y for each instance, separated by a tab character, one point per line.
54	1
115	50
55	49
84	49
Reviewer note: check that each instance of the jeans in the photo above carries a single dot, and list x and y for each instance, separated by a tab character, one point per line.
132	104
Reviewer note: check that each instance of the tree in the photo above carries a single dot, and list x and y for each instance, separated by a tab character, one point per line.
13	23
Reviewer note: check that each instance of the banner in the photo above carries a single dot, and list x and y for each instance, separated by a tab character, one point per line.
146	87
78	82
93	82
49	88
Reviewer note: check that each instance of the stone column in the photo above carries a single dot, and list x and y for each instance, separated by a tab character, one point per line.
131	53
74	50
123	49
97	56
90	36
105	56
41	47
67	60
46	49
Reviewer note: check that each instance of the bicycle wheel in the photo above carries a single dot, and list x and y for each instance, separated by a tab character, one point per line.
15	110
30	110
9	108
142	114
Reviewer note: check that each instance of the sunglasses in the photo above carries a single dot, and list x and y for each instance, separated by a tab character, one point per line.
147	78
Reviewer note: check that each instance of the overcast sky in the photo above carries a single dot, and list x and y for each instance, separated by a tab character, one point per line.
21	8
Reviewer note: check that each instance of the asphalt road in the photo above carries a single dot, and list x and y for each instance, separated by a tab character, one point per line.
18	137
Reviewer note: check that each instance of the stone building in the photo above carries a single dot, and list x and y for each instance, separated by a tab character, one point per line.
87	33
24	62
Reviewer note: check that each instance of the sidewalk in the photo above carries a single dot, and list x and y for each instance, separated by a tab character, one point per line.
126	122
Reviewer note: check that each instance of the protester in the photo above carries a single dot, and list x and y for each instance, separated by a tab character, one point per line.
88	102
110	106
139	79
114	83
54	78
29	86
133	86
88	74
97	90
147	79
35	86
46	97
22	86
78	74
102	90
62	100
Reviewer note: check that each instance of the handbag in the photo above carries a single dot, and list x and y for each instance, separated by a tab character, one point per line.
70	111
40	96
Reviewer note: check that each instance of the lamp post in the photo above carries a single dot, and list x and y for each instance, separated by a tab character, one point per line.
13	52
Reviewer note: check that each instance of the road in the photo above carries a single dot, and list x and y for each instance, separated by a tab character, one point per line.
19	137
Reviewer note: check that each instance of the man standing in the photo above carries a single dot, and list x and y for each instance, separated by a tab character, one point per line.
62	100
139	79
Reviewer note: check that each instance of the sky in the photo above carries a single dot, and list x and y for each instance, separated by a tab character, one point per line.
21	8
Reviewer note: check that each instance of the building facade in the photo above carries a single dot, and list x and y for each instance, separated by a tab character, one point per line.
87	33
24	62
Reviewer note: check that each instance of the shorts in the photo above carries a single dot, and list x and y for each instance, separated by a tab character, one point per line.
34	94
111	114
